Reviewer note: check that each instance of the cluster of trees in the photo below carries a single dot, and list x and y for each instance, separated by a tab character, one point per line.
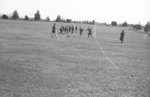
59	19
37	17
140	27
114	23
136	26
125	24
147	27
15	16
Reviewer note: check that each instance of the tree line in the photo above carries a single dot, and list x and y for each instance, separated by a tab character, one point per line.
37	17
15	16
135	26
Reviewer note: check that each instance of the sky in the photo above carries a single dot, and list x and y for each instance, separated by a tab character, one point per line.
131	11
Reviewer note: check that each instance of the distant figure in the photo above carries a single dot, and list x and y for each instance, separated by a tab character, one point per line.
72	29
90	33
81	31
54	30
76	29
61	30
122	36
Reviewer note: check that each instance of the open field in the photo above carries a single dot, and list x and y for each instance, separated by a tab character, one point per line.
32	64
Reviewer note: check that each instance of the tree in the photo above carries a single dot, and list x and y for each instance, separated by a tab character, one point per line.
15	15
37	15
124	24
58	19
26	18
114	23
4	16
47	18
147	27
68	20
93	22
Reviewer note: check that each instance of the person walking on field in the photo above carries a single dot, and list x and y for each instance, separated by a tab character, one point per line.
81	31
122	34
54	30
90	33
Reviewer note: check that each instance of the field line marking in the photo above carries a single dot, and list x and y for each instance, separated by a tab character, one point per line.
106	57
103	52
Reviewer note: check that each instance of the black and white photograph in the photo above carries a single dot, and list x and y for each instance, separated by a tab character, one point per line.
74	48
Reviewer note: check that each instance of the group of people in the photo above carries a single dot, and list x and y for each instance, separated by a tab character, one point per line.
70	30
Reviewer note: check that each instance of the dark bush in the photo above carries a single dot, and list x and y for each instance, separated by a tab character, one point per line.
137	27
26	18
47	18
93	22
114	23
147	27
68	20
125	24
4	16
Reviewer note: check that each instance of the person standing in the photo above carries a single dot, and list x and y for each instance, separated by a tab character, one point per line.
122	34
81	31
90	33
54	30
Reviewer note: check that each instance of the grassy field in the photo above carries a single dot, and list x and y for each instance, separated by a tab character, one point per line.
32	64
